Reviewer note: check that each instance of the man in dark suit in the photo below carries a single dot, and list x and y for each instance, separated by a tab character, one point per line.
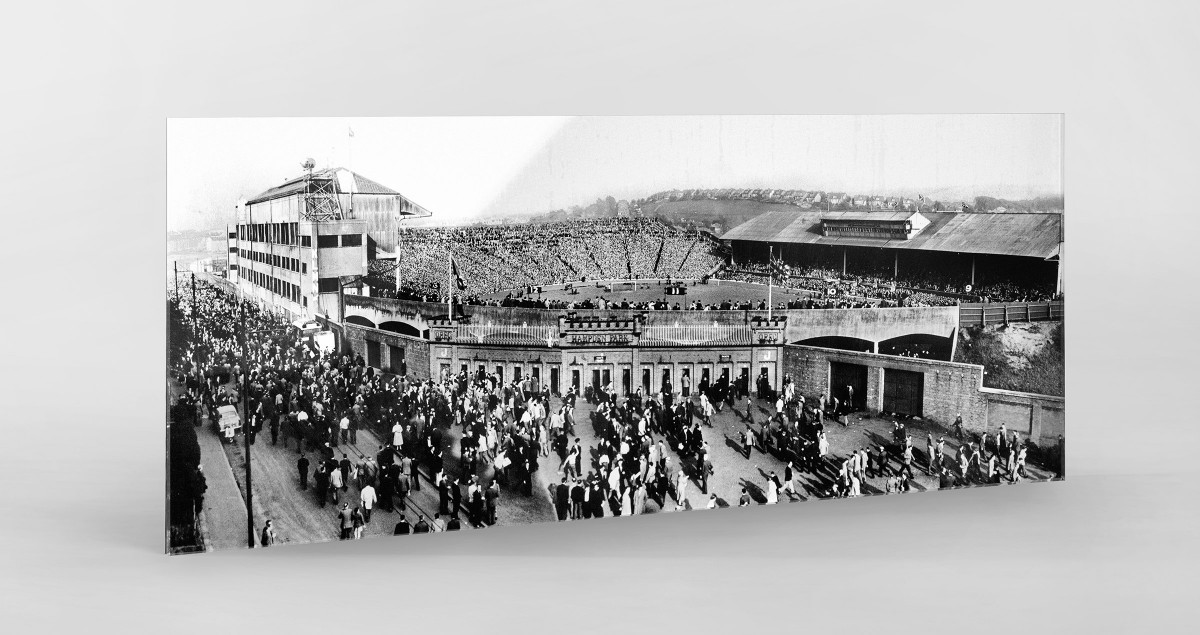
344	466
302	467
455	496
402	527
444	496
322	482
562	499
491	496
576	500
422	526
387	487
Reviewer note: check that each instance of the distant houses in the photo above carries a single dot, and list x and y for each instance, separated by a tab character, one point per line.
809	199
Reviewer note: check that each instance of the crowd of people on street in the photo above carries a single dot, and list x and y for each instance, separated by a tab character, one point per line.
476	438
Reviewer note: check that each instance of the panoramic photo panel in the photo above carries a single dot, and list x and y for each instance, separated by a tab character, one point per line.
396	326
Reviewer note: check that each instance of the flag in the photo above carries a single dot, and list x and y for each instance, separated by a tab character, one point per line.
458	281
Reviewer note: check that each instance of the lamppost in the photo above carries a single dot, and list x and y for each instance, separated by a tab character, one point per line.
246	431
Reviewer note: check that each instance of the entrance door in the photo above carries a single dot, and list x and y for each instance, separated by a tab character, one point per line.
666	380
372	354
605	377
903	392
500	372
744	378
595	380
536	374
516	373
841	376
626	380
554	380
575	379
686	372
645	380
396	360
767	379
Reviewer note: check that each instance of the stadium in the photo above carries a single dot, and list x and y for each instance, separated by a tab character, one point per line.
862	305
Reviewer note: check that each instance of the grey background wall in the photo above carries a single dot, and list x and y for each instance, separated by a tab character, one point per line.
87	90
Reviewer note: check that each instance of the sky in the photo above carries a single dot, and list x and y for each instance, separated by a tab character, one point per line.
468	168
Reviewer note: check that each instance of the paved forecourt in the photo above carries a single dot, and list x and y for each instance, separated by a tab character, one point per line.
299	517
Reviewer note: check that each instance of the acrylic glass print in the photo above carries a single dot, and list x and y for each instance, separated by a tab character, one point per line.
384	327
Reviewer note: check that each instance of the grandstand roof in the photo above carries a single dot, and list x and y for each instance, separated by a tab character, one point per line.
347	182
1032	235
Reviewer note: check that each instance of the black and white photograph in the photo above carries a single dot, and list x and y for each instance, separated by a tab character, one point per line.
668	316
603	317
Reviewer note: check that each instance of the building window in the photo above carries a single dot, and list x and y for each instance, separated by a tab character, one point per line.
306	241
326	242
352	240
233	250
304	267
327	285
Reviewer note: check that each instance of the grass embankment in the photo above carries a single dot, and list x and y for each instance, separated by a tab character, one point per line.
1008	368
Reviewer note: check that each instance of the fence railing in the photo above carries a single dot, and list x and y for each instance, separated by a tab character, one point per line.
481	332
978	314
695	334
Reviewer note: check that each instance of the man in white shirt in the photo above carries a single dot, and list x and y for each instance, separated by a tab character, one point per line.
344	425
368	499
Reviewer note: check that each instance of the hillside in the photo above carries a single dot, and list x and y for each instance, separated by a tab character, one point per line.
705	212
1022	357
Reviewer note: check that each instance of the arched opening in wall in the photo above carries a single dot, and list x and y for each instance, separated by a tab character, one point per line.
403	328
920	345
840	342
360	321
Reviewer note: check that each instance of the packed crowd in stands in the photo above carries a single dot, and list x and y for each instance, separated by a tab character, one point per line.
930	289
496	258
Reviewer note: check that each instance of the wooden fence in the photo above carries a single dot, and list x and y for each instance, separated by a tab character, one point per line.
978	314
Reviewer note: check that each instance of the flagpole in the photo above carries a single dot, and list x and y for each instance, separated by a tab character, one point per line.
770	278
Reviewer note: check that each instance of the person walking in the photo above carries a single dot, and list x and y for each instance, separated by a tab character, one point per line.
772	489
414	474
402	527
359	522
302	467
344	467
321	476
490	497
345	521
422	526
788	483
367	498
906	459
336	484
268	535
681	485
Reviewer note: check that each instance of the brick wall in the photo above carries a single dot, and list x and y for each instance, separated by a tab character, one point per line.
416	350
950	388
